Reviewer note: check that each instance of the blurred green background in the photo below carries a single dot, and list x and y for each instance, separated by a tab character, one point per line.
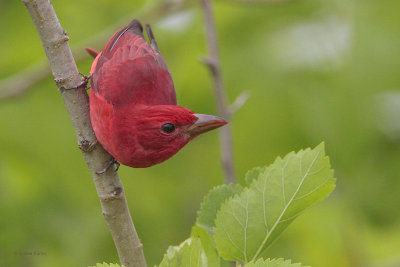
316	70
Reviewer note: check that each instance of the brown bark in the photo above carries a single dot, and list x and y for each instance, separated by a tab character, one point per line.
108	185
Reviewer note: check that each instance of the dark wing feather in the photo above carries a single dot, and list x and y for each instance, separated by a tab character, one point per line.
129	71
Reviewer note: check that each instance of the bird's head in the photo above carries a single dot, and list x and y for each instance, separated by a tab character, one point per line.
156	133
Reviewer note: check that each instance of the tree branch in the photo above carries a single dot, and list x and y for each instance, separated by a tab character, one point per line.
213	64
20	82
108	185
239	102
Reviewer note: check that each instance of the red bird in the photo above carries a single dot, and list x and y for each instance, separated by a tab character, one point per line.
133	106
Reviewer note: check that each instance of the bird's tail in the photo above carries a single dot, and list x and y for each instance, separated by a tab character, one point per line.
135	27
152	39
92	52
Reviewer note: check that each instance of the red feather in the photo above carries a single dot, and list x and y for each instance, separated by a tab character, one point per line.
129	71
132	97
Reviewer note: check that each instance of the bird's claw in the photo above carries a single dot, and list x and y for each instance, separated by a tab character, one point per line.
86	79
84	83
109	164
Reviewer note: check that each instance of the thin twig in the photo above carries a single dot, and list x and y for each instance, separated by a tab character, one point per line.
19	83
108	185
213	64
239	102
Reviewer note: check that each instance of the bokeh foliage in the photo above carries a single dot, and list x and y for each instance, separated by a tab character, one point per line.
315	70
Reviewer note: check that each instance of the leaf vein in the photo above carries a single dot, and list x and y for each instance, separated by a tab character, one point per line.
283	181
287	205
234	215
263	193
230	239
312	191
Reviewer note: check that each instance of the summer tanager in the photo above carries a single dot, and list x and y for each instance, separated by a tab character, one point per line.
133	106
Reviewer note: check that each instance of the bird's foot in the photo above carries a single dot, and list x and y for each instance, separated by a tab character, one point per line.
86	79
84	83
109	164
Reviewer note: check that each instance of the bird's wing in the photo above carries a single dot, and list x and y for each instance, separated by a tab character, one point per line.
129	71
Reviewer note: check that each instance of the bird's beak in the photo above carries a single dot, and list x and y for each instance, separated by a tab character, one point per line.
204	124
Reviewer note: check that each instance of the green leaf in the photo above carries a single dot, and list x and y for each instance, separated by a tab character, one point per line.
188	254
212	202
252	175
272	263
107	265
208	244
247	223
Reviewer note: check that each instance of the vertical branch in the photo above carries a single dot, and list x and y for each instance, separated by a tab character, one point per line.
108	185
213	64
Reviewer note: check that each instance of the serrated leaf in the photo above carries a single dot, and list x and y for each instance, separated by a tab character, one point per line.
252	175
272	263
188	254
208	244
247	223
212	202
107	265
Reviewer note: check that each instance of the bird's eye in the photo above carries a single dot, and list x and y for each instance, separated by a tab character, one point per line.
168	128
